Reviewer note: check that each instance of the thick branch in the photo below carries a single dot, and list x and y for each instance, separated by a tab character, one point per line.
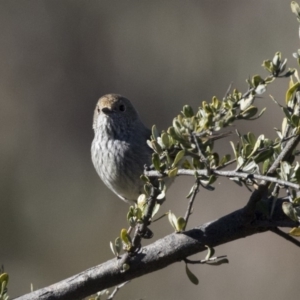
168	250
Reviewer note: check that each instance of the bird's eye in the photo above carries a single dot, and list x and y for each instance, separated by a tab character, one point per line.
98	109
122	107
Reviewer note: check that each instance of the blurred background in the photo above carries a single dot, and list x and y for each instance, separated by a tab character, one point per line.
56	59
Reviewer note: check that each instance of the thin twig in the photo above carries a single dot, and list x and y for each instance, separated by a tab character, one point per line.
203	158
228	90
286	236
226	164
242	175
141	229
117	288
191	202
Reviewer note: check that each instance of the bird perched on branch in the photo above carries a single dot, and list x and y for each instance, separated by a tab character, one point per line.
119	149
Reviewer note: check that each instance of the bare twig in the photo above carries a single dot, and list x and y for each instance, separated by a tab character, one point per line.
117	288
191	202
286	236
228	90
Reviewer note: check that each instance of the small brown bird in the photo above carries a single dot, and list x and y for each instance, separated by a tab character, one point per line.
119	149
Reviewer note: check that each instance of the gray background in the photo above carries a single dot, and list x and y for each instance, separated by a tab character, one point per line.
56	59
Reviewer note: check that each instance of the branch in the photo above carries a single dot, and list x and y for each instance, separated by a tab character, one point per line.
160	254
243	175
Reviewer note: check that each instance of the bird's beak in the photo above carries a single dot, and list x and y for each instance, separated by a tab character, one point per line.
107	110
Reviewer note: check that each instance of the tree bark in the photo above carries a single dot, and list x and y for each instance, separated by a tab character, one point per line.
163	252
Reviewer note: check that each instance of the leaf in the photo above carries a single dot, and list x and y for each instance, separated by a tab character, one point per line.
266	166
234	149
295	231
288	209
260	89
262	156
187	111
295	120
125	237
257	145
210	253
156	147
251	138
155	210
291	91
225	159
262	112
173	172
191	276
256	80
276	59
246	102
180	224
112	248
295	9
178	157
118	245
285	170
172	219
155	134
141	201
156	161
218	262
165	140
250	112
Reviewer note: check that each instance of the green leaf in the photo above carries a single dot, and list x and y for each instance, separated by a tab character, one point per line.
125	237
260	89
155	134
165	140
262	156
141	201
155	210
248	113
234	149
268	65
156	161
218	262
191	276
262	112
285	170
156	147
246	102
112	248
256	80
187	111
4	279
290	92
173	172
118	245
295	231
225	159
288	209
178	158
257	145
276	59
210	252
295	9
295	120
266	166
180	224
172	219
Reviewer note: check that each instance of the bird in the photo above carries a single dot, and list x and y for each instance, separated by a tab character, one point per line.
119	149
